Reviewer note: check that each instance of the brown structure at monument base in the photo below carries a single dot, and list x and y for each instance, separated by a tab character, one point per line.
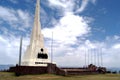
53	69
24	70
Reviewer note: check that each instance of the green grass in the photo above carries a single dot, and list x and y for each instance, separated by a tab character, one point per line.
11	76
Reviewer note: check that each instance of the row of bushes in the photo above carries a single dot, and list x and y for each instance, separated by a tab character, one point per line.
113	72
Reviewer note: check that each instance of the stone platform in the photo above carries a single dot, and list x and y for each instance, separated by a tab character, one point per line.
25	70
53	69
78	71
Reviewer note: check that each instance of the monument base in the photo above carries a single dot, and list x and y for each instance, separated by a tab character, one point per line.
36	62
24	70
53	69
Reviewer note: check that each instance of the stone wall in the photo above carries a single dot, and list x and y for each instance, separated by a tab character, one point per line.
24	70
52	69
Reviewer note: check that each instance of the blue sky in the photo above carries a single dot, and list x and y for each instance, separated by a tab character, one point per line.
79	27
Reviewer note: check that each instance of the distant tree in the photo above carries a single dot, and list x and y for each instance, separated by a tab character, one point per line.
108	71
114	72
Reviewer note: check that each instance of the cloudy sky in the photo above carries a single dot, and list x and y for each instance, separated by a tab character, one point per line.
80	28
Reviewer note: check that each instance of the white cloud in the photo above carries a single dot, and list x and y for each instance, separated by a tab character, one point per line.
9	38
111	56
68	48
83	6
116	37
69	5
90	45
93	1
66	55
24	17
14	1
116	46
63	5
17	19
9	49
70	26
7	14
57	3
68	30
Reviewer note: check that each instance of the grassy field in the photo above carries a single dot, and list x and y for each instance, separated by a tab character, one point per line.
10	76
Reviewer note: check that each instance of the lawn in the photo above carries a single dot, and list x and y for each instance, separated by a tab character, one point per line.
11	76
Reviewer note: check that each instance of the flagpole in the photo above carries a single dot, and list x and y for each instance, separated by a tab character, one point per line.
52	48
20	52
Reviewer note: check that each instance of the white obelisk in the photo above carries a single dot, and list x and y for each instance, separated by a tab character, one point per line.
36	54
